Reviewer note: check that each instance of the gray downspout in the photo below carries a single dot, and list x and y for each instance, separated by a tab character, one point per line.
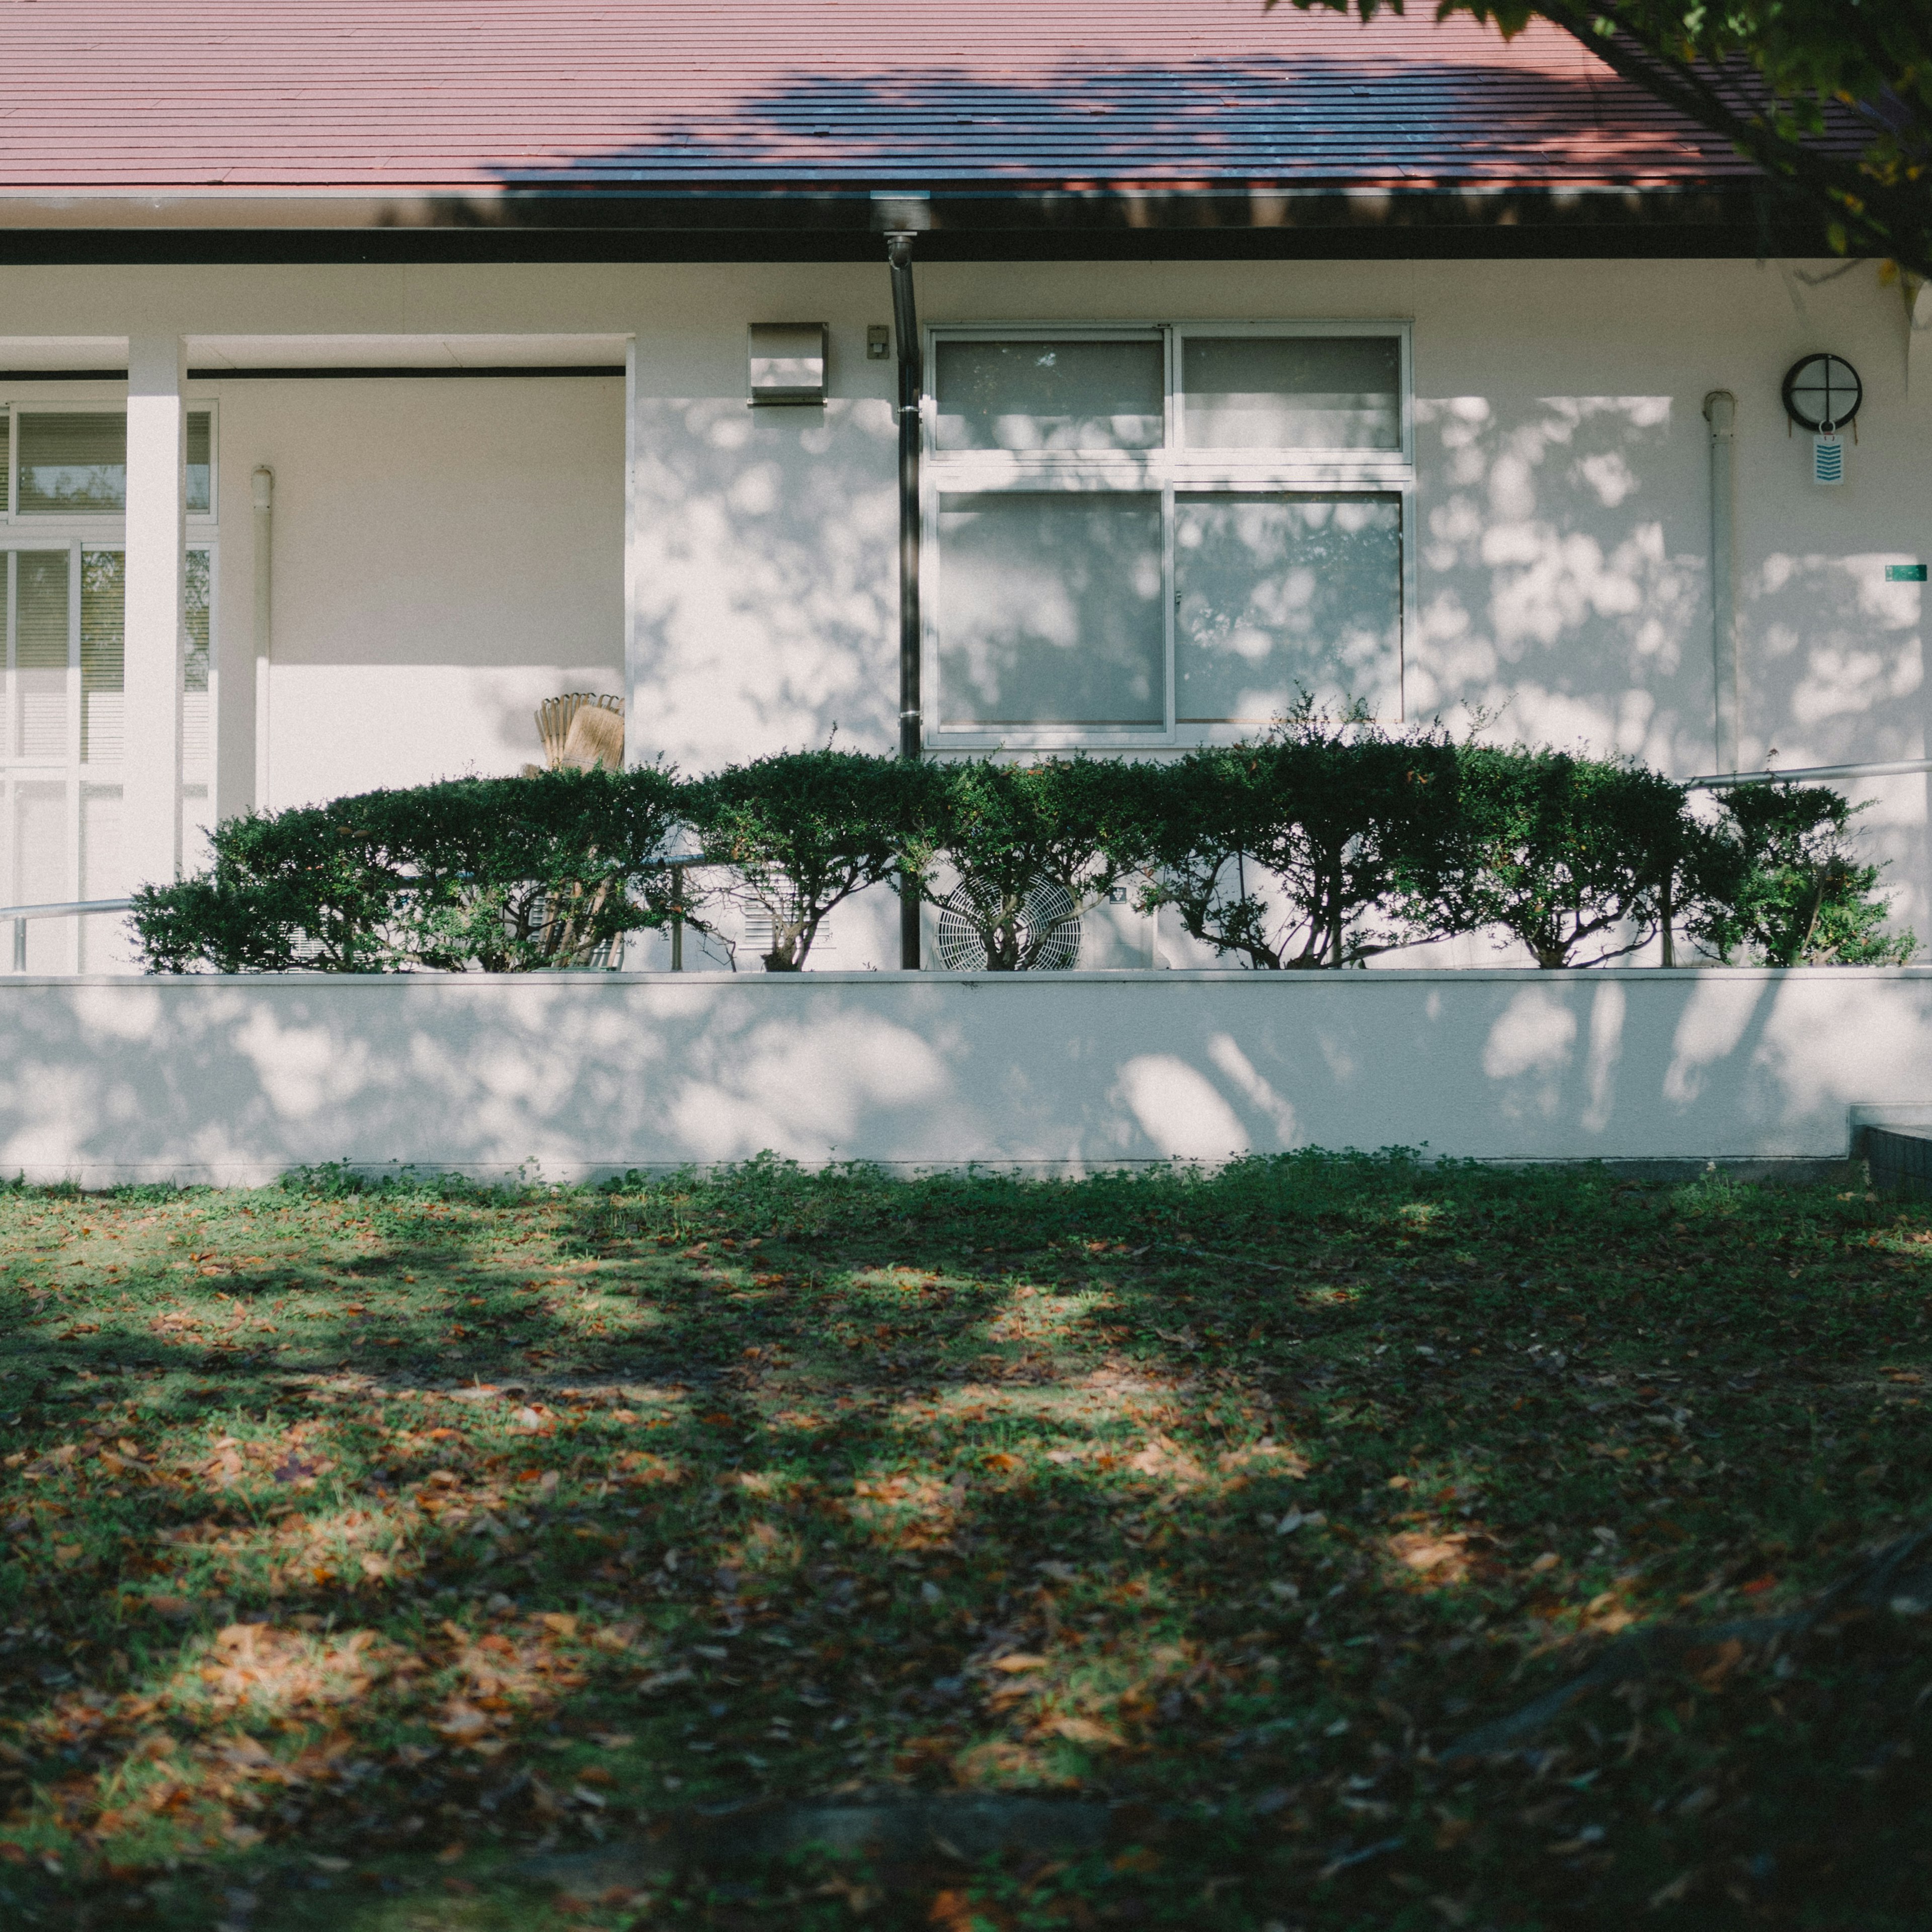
905	328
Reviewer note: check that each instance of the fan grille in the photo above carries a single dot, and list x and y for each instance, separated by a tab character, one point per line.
1049	928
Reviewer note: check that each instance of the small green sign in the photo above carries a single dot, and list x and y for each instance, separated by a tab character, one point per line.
1905	573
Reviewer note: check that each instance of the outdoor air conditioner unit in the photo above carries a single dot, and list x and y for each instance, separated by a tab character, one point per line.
1049	930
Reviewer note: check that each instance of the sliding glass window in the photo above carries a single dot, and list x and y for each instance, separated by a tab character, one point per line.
1162	535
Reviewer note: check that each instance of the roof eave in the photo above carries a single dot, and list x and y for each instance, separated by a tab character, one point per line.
1730	214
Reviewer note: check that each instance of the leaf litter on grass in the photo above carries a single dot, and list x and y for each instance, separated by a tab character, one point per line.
373	1548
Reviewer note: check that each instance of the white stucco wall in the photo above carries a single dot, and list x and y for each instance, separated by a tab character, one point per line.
448	553
578	1075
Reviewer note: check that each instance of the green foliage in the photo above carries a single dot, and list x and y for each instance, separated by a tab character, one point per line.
1566	855
1787	889
1774	77
490	874
1295	851
1008	828
1322	845
801	832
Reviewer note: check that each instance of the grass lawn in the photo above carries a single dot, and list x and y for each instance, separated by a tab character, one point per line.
421	1557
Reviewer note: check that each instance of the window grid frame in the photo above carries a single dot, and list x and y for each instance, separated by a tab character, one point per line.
94	521
1172	471
77	777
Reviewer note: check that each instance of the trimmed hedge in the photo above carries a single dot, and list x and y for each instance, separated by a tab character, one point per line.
494	875
799	833
1322	845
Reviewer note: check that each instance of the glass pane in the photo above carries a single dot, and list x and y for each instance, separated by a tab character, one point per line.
39	874
198	847
72	462
103	599
1050	395
39	654
196	749
1050	611
1291	391
1279	595
104	939
200	463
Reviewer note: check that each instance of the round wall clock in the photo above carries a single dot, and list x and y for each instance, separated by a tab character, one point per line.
1822	393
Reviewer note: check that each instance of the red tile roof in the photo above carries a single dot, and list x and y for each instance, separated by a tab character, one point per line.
227	101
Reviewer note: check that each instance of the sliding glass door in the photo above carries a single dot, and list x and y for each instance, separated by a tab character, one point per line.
66	730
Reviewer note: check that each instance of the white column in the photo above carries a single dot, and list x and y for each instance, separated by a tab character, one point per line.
151	803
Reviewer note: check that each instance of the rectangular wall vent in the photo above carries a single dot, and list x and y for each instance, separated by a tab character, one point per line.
788	363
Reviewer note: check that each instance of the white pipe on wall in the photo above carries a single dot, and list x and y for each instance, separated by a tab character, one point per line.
265	557
1720	411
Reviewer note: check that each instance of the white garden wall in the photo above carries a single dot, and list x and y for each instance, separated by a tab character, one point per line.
579	1075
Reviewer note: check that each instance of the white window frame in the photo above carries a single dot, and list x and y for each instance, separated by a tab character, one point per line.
76	531
1173	472
94	521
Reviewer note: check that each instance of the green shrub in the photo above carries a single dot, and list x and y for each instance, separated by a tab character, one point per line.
1323	845
492	874
1785	889
1566	855
1009	830
803	832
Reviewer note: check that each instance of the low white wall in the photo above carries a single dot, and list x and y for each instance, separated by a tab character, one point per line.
235	1080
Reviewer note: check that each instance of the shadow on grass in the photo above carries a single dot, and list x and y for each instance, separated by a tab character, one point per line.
367	1542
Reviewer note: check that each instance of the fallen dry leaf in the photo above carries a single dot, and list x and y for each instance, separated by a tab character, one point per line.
1443	1559
1087	1731
461	1722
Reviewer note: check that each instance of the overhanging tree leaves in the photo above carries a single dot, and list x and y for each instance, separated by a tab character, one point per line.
1784	82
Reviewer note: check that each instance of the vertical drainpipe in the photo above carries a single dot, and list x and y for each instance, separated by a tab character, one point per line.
265	559
912	383
1721	409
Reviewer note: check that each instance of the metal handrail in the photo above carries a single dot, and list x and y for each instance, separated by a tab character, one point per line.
54	909
18	917
1806	774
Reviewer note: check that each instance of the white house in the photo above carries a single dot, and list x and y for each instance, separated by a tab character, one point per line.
371	372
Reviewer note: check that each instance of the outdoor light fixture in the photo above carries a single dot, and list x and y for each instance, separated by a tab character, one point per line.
786	363
1822	394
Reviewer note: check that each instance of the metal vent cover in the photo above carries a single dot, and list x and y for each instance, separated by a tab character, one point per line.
1049	922
786	363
